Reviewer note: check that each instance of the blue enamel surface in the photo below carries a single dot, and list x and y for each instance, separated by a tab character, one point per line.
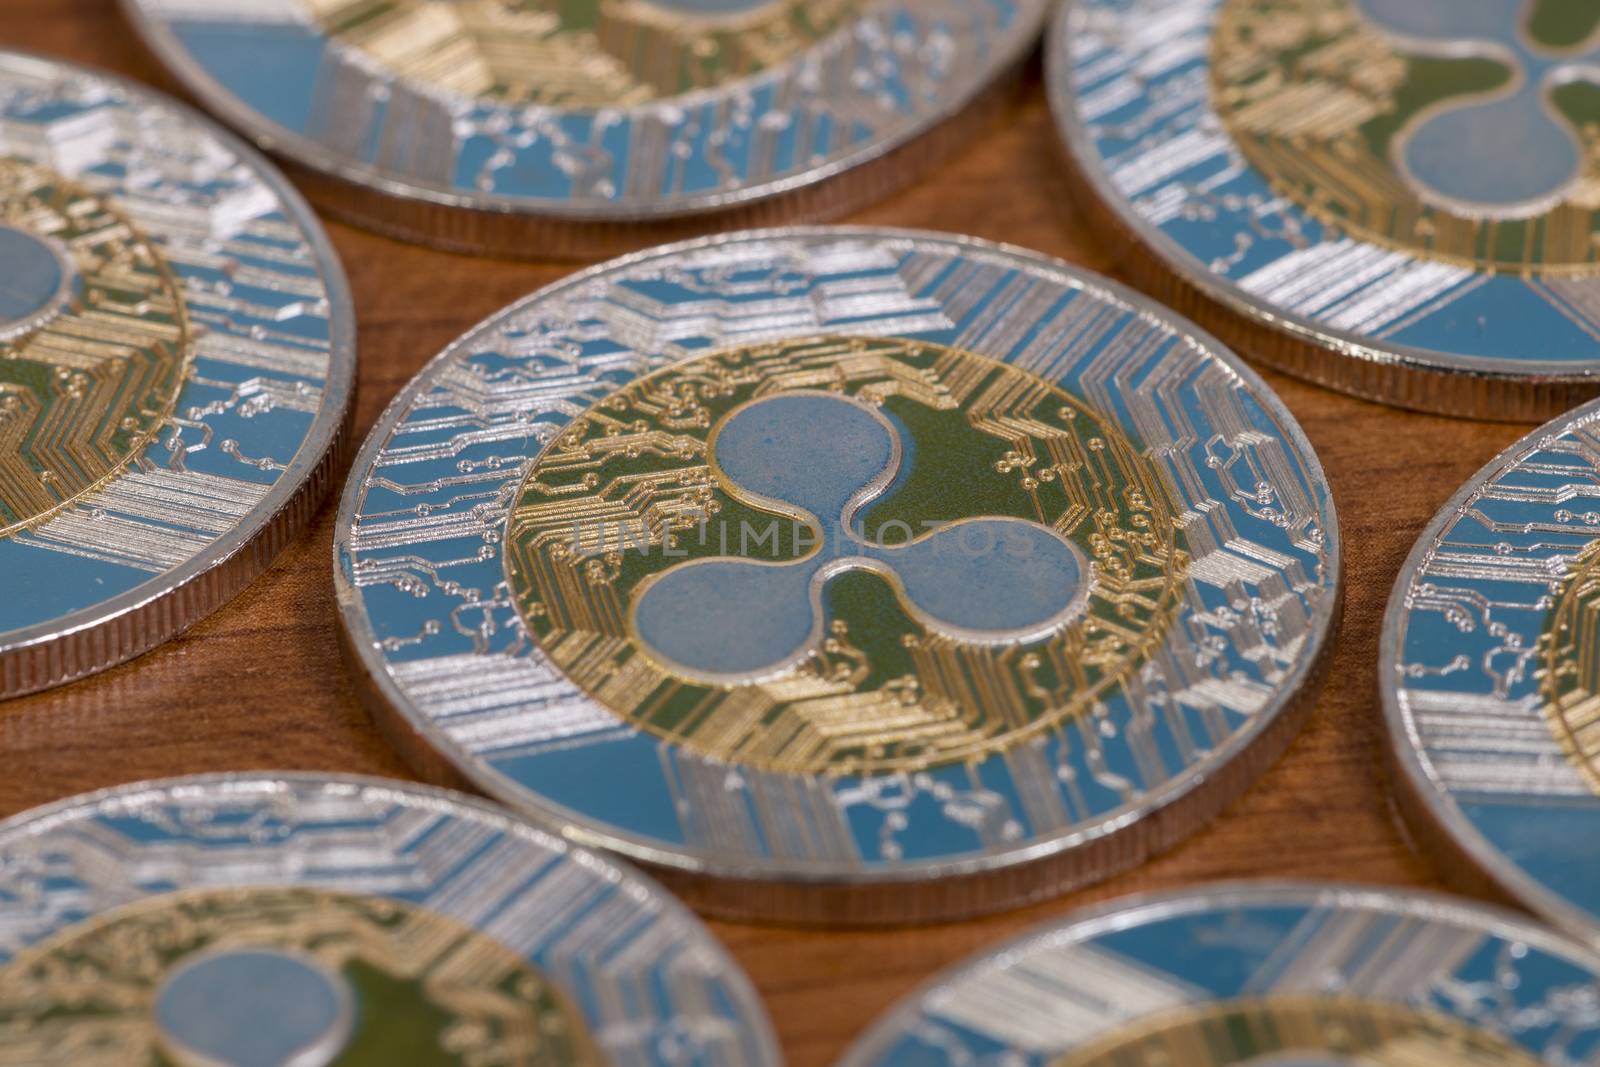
813	452
272	68
37	592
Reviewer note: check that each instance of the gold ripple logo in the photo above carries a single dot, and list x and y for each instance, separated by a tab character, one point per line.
813	567
94	343
579	53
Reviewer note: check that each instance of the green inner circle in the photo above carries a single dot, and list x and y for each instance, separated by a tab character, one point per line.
628	494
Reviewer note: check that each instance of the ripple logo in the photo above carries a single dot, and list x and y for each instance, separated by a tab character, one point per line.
1504	153
1462	131
823	458
978	556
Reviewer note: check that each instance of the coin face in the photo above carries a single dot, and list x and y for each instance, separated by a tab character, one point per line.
867	566
176	362
510	126
1393	197
1263	975
1488	674
262	921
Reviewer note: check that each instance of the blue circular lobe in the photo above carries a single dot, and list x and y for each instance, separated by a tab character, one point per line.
254	1007
992	578
32	276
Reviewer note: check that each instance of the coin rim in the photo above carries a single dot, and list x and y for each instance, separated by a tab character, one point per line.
408	728
94	638
1490	387
44	819
1141	909
303	151
1423	803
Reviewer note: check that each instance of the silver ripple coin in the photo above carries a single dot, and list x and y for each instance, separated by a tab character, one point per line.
556	128
1488	675
1389	197
263	920
1259	975
843	575
177	356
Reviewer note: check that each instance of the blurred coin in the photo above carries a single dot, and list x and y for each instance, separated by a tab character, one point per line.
540	128
177	354
1489	675
273	920
1395	198
1265	975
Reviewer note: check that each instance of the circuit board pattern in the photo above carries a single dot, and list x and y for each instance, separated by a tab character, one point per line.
88	995
216	281
883	693
607	127
1491	665
1191	144
88	387
598	53
1330	103
1271	977
449	900
425	591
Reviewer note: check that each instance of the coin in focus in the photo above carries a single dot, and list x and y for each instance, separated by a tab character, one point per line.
842	575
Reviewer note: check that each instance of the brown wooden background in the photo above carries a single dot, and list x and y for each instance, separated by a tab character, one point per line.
261	685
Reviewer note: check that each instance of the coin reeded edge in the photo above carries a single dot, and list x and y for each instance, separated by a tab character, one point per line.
849	895
1393	375
114	631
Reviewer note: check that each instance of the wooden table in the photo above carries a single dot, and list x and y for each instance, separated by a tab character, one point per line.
261	685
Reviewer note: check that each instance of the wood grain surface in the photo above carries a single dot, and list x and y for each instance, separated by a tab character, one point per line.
261	685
